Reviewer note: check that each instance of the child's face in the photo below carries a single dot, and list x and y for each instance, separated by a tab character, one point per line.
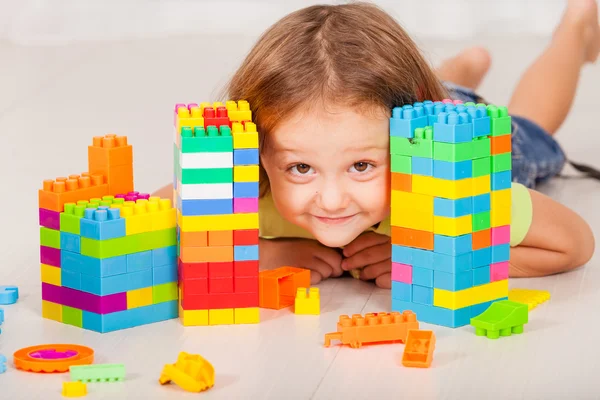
329	172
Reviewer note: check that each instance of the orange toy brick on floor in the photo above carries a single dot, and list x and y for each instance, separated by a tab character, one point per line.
277	288
418	351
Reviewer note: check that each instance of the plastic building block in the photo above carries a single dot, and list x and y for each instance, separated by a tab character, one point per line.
227	222
2	364
102	224
406	119
130	318
98	373
190	372
502	318
532	298
418	351
307	303
250	315
278	287
373	328
468	297
112	157
74	389
1	318
9	294
52	357
56	193
239	111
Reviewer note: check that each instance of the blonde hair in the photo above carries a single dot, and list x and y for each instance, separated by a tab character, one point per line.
354	55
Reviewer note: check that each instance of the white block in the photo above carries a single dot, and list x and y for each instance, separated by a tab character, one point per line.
205	191
206	160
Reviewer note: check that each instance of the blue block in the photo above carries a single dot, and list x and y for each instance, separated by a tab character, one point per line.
401	291
422	166
245	253
164	274
452	208
501	180
477	309
452	245
9	295
453	282
453	127
117	283
435	315
402	254
205	207
422	295
70	242
452	170
164	256
500	253
481	122
452	264
245	156
2	364
1	318
482	257
245	189
422	276
70	279
481	203
481	275
406	119
93	266
423	258
139	261
92	228
130	318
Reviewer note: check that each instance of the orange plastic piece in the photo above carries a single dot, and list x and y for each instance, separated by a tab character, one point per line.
412	238
373	328
56	193
277	288
111	156
220	238
419	348
191	372
52	357
206	254
193	239
481	239
500	144
401	182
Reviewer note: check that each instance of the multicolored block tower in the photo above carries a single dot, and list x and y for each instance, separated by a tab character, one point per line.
216	193
451	209
109	260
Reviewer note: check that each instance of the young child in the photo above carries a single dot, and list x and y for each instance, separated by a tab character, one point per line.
321	83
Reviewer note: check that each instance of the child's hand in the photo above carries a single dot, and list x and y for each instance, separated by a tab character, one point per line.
324	262
373	252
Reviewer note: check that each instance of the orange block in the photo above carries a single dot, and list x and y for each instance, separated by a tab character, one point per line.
419	348
112	157
220	238
401	182
193	239
481	239
501	144
412	238
206	254
277	288
55	193
373	328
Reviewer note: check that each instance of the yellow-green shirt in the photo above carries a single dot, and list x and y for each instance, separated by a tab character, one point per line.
273	225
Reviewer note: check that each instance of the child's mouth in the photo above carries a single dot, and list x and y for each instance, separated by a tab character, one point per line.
334	221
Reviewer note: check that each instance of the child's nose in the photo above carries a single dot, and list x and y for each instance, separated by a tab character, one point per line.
332	197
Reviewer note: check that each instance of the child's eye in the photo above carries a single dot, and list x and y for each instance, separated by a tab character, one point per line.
361	166
301	169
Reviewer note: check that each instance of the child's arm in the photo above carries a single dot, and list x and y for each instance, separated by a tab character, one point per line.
165	192
558	240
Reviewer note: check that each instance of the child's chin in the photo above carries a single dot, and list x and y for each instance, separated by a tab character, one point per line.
331	239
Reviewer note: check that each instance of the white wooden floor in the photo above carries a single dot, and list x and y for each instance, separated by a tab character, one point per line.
53	100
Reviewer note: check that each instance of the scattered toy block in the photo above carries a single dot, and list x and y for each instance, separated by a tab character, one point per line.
2	364
98	373
277	288
191	372
532	298
502	318
74	389
418	351
307	303
9	294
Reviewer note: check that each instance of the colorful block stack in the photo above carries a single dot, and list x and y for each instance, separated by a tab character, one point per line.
451	202
216	192
108	261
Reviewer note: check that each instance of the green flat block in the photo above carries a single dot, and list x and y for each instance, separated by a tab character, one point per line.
206	144
164	292
112	247
501	162
411	147
482	147
97	373
49	237
481	221
501	121
72	316
453	152
157	239
481	167
502	318
69	219
402	164
205	175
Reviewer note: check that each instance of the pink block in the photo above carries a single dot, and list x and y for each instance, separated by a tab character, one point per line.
84	301
245	205
501	235
50	219
450	101
402	273
50	256
499	271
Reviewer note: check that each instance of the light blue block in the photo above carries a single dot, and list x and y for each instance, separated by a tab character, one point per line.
482	257
435	315
452	264
139	261
164	274
245	156
93	266
481	203
164	256
422	258
401	291
245	189
130	318
481	122
453	282
452	245
422	295
245	253
102	224
481	275
422	276
501	180
402	254
2	363
452	170
422	166
70	242
405	120
205	206
452	208
500	253
453	127
117	283
70	279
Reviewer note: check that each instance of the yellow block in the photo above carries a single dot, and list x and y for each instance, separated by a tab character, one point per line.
51	311
449	226
307	304
50	274
422	184
245	173
249	315
481	185
245	140
164	220
139	298
500	213
437	187
239	111
224	222
193	317
529	296
413	219
471	296
223	316
412	201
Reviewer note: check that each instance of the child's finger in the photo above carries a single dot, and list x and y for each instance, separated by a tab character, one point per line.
375	270
368	256
384	281
333	259
365	240
321	267
315	277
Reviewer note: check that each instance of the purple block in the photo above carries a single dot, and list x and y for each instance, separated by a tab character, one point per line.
50	256
50	219
51	293
84	301
245	205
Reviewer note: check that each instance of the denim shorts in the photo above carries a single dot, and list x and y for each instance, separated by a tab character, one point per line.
536	156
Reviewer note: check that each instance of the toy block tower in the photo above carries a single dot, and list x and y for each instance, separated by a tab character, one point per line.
451	202
216	193
108	259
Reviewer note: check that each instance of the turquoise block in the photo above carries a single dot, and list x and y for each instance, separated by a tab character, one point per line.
422	276
117	283
481	275
401	291
402	254
422	166
130	318
482	257
452	170
423	258
453	245
139	261
70	279
452	264
453	127
481	203
164	274
405	120
453	282
70	242
435	315
422	295
93	266
500	253
245	253
164	256
452	208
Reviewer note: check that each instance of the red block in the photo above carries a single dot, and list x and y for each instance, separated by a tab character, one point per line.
218	301
245	284
217	118
245	237
245	268
220	285
194	286
220	269
192	270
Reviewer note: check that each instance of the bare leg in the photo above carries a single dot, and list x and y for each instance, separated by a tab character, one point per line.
467	68
545	92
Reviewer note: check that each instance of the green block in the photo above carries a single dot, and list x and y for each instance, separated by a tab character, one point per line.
157	239
502	318
205	175
482	147
481	221
206	144
72	316
112	247
481	167
49	238
453	152
411	147
97	373
69	219
501	121
164	292
402	164
501	162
